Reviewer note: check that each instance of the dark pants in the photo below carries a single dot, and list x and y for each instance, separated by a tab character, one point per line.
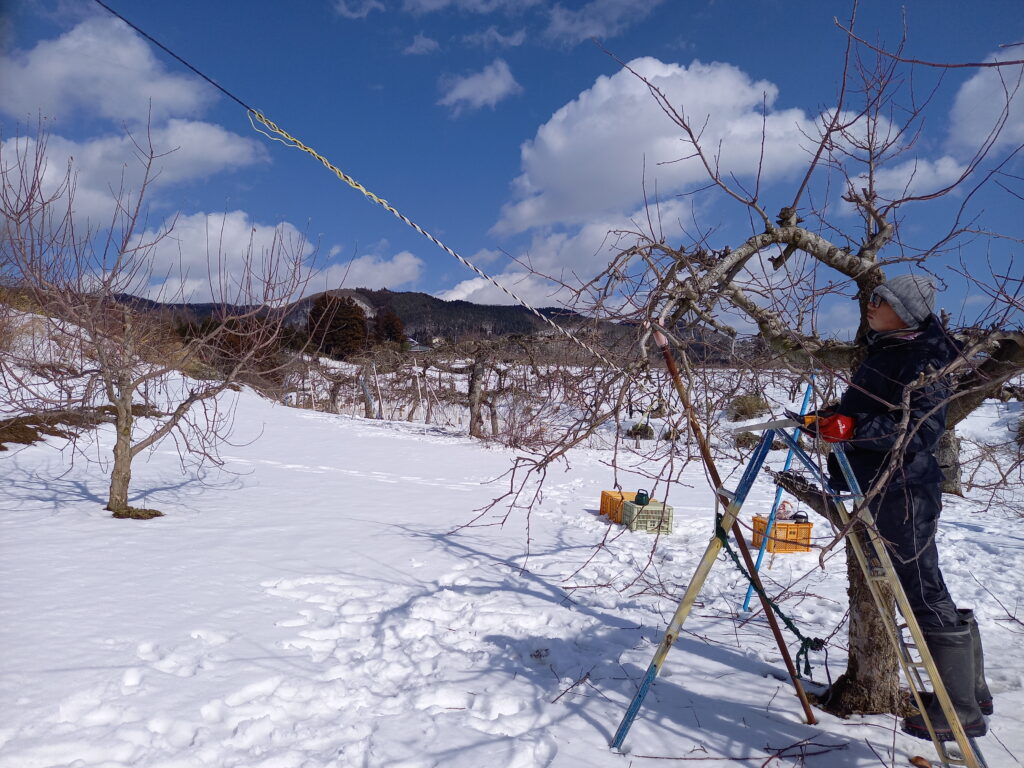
906	517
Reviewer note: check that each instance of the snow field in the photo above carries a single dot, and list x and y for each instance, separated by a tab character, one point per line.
307	607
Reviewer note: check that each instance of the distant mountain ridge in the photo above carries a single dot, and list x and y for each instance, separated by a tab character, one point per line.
424	316
427	318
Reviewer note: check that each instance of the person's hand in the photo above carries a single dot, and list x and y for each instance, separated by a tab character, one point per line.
832	429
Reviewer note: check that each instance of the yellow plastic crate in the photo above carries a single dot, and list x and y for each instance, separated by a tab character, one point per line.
653	517
612	501
786	536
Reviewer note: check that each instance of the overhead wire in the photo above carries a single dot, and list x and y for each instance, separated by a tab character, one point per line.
282	136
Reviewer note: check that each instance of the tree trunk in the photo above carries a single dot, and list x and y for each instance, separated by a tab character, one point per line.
948	454
495	427
368	410
870	684
334	395
476	398
121	474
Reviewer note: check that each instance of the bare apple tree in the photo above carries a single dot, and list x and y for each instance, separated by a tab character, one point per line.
778	277
85	343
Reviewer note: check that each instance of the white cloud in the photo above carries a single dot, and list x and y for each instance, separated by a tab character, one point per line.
191	150
571	256
100	65
533	289
203	257
917	177
598	18
487	256
492	38
591	156
420	45
483	89
981	102
201	150
370	271
471	6
357	9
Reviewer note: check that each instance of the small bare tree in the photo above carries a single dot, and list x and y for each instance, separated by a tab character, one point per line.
90	343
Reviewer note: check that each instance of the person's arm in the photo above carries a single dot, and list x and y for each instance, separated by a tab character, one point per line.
880	431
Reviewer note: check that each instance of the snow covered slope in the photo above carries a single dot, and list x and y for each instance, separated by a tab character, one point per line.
307	607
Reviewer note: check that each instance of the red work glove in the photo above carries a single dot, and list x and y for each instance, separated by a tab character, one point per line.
835	428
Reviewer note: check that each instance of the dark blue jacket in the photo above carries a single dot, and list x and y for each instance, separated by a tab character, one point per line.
874	400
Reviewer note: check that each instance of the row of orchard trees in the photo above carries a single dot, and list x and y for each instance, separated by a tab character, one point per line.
76	342
513	390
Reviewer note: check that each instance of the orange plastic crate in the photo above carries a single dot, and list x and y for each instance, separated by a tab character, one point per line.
612	501
786	536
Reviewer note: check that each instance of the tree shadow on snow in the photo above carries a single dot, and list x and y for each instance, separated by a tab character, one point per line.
67	489
582	674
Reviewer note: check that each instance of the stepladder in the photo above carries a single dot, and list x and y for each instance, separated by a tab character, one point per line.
874	561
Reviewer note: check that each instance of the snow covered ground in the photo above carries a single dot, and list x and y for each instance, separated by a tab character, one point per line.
308	607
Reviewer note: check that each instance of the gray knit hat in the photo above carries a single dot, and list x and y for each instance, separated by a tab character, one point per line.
911	296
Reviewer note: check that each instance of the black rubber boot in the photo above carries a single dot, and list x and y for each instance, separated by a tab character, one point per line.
953	653
981	692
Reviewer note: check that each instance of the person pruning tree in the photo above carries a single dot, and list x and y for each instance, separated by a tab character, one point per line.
906	340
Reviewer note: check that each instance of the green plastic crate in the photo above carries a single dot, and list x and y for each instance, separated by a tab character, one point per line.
655	517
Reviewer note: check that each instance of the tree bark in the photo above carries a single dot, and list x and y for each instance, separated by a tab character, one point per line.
1005	360
871	686
476	398
368	410
121	473
334	395
948	455
865	688
495	427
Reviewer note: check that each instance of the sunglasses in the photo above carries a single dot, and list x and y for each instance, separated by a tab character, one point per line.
875	300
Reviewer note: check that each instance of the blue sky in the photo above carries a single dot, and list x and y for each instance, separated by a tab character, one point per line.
496	124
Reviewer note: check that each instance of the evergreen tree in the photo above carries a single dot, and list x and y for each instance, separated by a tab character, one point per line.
337	326
387	326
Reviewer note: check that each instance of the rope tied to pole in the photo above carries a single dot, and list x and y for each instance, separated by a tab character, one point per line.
807	644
